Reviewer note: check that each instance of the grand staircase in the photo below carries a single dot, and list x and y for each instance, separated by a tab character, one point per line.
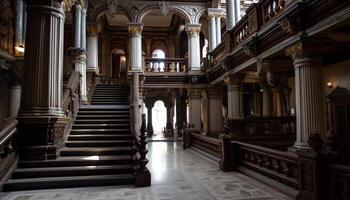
98	150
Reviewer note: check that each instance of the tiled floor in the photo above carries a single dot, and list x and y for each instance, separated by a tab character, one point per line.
176	175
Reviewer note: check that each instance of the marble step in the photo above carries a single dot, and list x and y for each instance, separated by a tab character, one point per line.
98	126
91	137
100	143
96	112
100	121
109	103
99	131
93	151
102	117
68	161
21	173
68	182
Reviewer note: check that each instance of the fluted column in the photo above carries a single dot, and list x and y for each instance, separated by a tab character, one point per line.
194	57
234	101
14	100
41	118
135	46
194	98
310	111
77	25
92	47
230	14
215	111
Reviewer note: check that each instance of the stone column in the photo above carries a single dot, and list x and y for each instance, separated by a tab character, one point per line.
83	29
194	98
310	111
194	56
41	118
79	60
19	26
218	30
135	46
77	25
237	10
149	118
234	97
15	100
215	111
230	14
212	29
92	48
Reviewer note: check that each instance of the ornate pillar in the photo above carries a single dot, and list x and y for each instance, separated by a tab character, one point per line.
149	118
310	112
194	56
41	118
135	46
215	111
92	48
230	14
234	96
15	100
77	25
194	97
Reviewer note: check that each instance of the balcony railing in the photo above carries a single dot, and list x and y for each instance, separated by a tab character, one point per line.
165	65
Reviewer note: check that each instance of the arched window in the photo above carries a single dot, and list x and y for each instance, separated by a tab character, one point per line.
158	54
159	117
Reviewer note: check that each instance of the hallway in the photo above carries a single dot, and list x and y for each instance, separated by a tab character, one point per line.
177	174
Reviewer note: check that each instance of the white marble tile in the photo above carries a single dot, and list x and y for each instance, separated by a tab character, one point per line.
177	174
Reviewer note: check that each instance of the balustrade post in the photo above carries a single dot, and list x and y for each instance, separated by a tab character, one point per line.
143	175
226	162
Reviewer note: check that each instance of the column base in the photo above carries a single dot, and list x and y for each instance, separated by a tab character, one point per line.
40	138
301	146
84	100
143	179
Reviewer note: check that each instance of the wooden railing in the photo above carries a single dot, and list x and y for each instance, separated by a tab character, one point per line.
8	157
71	99
272	132
339	182
193	138
165	65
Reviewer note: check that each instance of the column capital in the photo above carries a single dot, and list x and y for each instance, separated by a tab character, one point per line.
135	28
193	29
306	48
234	80
215	12
79	55
195	93
93	29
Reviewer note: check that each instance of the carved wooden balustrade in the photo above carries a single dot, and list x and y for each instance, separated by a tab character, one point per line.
8	157
193	138
339	182
272	132
165	65
71	99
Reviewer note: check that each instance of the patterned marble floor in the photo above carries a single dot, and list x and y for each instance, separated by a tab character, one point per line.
176	175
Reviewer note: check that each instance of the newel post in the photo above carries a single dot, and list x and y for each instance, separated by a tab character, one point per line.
226	160
143	175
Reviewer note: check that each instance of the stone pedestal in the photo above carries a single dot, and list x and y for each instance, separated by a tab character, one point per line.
216	122
41	117
194	56
14	101
194	98
234	97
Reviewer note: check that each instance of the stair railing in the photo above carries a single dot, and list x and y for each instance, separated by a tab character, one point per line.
141	172
8	157
71	100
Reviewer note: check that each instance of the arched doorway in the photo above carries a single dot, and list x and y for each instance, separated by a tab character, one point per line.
118	65
159	117
158	54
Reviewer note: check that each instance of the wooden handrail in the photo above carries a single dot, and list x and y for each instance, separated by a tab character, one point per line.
7	129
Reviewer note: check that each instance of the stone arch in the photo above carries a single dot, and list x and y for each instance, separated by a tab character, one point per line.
199	14
104	10
152	8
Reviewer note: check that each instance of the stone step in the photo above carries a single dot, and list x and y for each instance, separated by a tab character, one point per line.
92	151
21	173
96	112
68	182
90	137
109	103
98	126
67	161
100	143
102	117
99	121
